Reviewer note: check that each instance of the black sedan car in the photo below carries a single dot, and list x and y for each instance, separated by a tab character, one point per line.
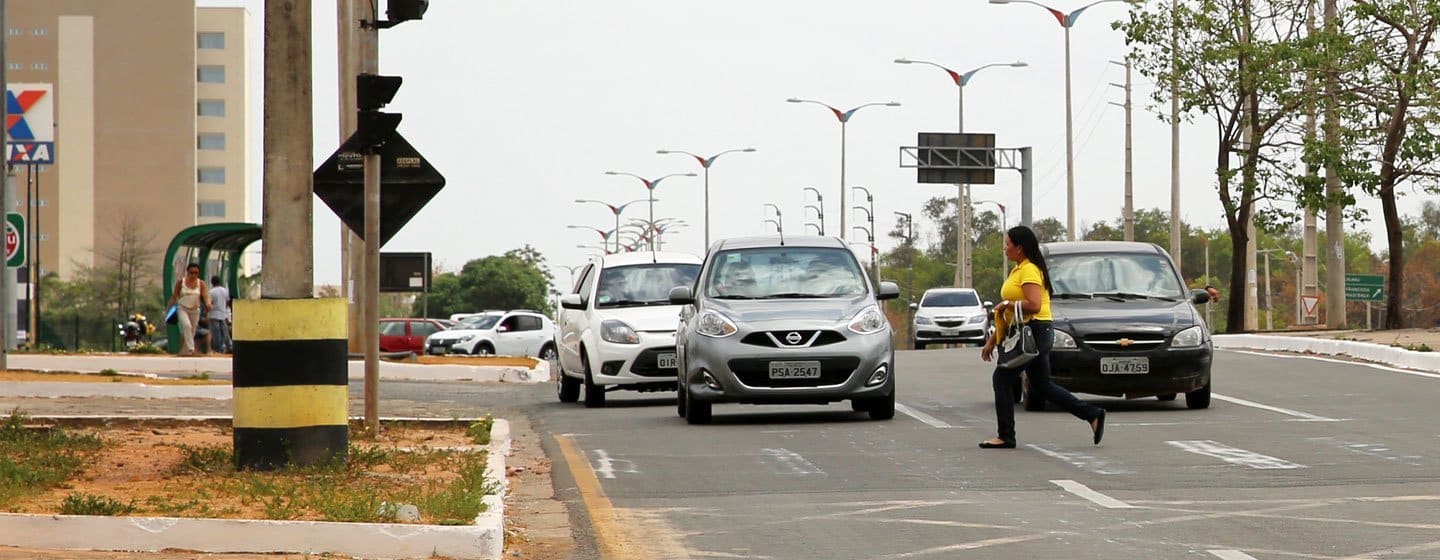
1125	325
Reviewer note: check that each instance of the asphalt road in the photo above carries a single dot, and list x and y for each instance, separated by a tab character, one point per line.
1296	458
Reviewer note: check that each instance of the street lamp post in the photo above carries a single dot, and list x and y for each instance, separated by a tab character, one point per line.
1299	265
962	218
870	233
616	210
844	117
819	208
1067	21
1004	261
604	235
651	185
706	163
909	253
779	219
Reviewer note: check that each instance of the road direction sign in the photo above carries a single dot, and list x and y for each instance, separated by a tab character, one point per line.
14	240
1364	287
407	183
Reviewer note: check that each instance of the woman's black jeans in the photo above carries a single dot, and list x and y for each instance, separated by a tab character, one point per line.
1006	382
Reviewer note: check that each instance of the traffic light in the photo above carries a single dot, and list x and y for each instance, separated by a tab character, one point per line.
400	11
373	127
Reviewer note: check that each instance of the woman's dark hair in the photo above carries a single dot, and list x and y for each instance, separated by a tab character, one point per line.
1025	238
195	266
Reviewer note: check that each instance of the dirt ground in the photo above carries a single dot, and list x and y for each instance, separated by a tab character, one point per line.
24	375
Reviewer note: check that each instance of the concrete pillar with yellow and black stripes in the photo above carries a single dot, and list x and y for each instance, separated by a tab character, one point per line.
290	382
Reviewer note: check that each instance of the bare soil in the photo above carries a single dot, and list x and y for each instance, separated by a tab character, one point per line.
26	375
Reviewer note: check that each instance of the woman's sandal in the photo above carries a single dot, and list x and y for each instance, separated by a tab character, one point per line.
997	443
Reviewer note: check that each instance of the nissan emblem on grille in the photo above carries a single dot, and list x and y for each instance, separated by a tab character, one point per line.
793	338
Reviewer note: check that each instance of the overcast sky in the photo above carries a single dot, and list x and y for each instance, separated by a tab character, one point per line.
523	106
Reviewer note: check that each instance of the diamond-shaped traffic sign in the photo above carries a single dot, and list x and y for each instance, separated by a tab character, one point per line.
407	183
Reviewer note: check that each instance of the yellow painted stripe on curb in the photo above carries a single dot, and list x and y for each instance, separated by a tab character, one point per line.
290	319
608	532
291	406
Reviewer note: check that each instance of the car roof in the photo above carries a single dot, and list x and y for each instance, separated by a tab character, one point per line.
1091	247
949	290
775	240
646	257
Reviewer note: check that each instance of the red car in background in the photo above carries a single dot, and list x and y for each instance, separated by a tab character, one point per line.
408	334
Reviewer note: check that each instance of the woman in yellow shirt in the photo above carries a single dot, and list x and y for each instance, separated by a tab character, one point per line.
1029	283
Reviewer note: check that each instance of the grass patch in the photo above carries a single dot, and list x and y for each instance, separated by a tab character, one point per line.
109	372
202	376
479	431
34	460
146	348
80	503
207	459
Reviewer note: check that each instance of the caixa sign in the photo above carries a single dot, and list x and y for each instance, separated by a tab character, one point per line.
30	152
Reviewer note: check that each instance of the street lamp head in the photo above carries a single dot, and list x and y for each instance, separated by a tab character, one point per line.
904	61
999	1
662	151
691	174
794	100
748	150
612	173
893	104
1019	64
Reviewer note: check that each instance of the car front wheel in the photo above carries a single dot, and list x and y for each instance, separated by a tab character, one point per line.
882	408
594	394
567	388
696	412
1199	398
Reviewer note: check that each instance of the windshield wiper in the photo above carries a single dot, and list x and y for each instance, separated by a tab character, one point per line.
735	296
1121	296
796	295
633	302
1074	295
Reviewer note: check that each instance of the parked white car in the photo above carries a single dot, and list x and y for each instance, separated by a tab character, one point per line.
617	326
511	333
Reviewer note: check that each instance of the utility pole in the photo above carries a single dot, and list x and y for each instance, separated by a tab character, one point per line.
1252	288
1175	142
1129	162
1334	213
288	259
352	248
7	285
369	41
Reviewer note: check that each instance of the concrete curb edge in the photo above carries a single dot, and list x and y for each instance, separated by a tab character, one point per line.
1368	351
484	540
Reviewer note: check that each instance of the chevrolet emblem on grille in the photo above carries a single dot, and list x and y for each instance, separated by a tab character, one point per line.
1124	342
793	338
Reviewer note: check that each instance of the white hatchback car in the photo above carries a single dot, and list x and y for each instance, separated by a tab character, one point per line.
950	315
519	332
617	326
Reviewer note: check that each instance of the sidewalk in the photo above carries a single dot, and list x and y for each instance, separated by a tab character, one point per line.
451	369
1393	348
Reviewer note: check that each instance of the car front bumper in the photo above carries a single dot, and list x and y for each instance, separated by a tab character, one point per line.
1170	371
964	333
742	369
627	364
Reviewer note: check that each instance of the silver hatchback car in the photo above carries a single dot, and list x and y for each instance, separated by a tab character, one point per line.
783	320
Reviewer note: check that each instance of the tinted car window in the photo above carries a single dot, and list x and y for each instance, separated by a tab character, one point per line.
392	328
646	284
527	323
1148	275
950	299
784	272
482	322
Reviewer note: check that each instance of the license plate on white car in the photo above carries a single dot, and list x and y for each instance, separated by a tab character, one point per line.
794	370
1125	366
665	361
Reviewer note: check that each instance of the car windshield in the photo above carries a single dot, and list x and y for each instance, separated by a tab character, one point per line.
643	284
950	299
1115	274
478	322
784	272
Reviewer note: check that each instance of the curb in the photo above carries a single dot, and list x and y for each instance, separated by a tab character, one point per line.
484	540
389	371
1368	351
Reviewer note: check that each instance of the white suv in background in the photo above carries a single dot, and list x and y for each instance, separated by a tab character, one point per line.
950	315
520	332
617	327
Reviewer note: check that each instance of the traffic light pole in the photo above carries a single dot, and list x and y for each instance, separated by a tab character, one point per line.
370	297
352	261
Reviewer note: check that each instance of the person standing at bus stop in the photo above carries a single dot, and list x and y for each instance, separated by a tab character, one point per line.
219	316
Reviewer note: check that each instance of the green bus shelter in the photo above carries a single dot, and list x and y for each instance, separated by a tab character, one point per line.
217	248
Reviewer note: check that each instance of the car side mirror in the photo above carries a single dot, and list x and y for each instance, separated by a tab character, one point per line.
989	305
571	301
1199	297
680	295
888	290
502	328
914	306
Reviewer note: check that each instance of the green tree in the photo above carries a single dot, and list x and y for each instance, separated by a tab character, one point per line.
519	279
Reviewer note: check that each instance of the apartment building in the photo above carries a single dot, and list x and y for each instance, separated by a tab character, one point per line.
150	121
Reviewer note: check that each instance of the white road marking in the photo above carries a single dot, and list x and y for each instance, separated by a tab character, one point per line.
1234	455
972	545
1085	492
921	416
1301	415
605	466
788	462
1231	555
1373	450
1082	461
1345	362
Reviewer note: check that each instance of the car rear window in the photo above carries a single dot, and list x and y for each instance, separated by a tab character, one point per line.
950	299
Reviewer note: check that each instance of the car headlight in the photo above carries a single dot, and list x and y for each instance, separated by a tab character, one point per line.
715	325
977	319
1063	341
468	338
868	321
921	320
1188	338
618	332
